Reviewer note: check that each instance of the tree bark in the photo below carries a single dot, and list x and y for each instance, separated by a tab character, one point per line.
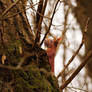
82	11
23	65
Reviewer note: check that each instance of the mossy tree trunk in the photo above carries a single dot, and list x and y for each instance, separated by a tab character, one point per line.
23	65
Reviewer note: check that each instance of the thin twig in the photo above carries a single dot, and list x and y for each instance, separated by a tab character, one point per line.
9	67
10	7
88	56
26	68
77	89
74	55
64	31
71	59
37	39
23	11
50	23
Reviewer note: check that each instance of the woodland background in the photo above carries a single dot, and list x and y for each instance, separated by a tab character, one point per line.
24	65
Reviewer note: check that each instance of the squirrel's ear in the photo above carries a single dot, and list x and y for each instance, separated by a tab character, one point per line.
59	39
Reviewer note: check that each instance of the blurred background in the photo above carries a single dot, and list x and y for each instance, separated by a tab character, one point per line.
68	24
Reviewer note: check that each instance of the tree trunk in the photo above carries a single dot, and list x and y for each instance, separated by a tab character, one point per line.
82	11
23	65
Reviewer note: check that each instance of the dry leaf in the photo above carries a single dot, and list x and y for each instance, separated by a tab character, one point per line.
3	58
20	49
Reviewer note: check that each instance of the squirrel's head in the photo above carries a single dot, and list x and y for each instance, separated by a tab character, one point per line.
51	42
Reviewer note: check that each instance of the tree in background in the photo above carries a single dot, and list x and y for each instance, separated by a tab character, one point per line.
82	11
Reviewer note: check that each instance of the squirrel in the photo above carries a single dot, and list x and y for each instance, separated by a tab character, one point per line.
51	50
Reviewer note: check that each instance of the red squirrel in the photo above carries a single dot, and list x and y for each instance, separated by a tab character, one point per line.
51	50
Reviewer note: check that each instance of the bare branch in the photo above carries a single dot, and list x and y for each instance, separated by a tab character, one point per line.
11	6
39	20
74	55
77	89
88	56
50	22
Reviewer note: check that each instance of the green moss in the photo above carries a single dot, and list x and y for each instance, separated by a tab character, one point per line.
33	80
1	82
14	46
13	53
